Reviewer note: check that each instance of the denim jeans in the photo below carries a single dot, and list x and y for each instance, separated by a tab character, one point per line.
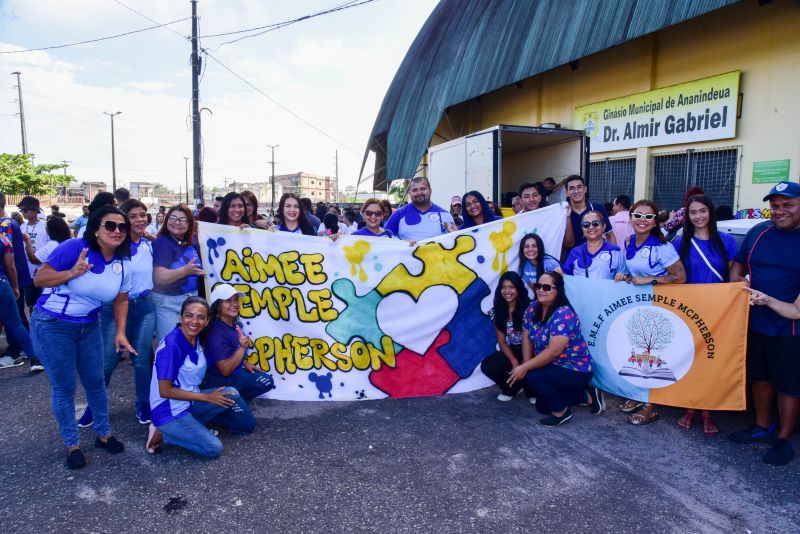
65	347
249	385
557	387
16	332
168	312
190	431
139	328
497	367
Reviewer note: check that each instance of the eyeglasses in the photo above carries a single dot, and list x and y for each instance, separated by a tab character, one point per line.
543	287
370	213
177	220
593	224
111	226
646	216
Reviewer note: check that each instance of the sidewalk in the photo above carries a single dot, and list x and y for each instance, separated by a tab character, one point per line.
460	463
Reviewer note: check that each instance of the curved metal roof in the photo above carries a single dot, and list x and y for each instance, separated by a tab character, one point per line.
469	48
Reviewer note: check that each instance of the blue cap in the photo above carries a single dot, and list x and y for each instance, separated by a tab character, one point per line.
785	189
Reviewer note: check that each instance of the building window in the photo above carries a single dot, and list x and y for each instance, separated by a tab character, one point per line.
611	177
714	170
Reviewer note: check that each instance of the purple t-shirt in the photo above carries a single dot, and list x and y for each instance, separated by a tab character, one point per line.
171	255
563	322
697	270
222	341
367	232
182	364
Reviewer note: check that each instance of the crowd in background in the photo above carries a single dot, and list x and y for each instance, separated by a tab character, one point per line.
123	276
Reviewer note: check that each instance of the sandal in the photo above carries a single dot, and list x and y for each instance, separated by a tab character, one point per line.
645	416
155	440
686	421
709	427
630	406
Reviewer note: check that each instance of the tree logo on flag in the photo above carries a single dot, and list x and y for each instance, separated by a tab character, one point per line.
650	347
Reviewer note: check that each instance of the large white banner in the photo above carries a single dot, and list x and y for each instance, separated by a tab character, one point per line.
369	317
701	110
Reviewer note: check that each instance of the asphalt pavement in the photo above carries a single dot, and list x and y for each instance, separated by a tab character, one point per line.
458	463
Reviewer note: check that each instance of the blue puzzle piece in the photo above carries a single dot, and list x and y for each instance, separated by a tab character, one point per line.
472	335
359	318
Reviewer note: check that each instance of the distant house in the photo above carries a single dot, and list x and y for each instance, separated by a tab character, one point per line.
90	189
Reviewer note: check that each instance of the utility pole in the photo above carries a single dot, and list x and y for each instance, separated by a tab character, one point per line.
186	170
113	154
272	181
21	113
336	180
197	165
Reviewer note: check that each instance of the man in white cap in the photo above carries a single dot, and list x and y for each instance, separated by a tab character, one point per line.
770	254
226	347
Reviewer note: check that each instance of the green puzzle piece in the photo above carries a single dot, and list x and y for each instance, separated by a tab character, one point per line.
359	318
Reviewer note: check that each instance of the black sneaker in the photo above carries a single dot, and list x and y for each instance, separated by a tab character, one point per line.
756	434
75	459
598	402
112	445
36	365
781	453
551	421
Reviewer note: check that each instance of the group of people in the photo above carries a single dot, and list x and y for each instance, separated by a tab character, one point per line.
122	284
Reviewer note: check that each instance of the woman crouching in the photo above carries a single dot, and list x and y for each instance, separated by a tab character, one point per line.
557	364
179	408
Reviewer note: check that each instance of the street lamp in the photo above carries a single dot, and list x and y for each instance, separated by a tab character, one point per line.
186	167
272	182
113	156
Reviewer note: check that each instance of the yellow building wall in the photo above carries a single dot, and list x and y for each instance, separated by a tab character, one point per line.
761	42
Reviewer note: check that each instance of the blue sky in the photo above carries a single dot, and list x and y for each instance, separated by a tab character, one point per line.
333	71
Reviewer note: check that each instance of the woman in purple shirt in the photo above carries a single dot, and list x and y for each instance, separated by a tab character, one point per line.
707	256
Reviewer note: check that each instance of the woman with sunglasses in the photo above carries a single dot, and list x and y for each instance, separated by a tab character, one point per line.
596	257
556	361
79	277
176	268
649	259
533	260
476	210
141	317
292	217
707	256
510	303
181	407
373	213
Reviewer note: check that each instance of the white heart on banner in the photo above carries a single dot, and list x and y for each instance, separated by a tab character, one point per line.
415	325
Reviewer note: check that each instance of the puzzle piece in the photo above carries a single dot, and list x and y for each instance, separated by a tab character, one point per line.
471	330
417	375
359	318
440	266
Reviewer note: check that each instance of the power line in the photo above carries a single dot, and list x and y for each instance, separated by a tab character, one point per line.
94	40
129	8
287	110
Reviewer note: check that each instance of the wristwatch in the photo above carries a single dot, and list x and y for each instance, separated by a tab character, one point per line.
654	281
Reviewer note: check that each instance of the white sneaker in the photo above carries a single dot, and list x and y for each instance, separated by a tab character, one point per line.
8	361
532	400
504	398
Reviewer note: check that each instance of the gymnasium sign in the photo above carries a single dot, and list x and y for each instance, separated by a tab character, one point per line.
702	110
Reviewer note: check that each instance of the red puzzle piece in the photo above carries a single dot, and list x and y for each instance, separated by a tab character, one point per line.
417	375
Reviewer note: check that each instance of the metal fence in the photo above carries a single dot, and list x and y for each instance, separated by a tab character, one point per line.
611	177
714	170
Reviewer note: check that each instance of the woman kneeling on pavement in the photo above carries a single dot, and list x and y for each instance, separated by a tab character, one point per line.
510	303
557	364
179	407
225	348
79	277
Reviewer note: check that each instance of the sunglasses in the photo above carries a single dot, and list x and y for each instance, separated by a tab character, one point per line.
370	213
543	287
592	224
646	216
110	226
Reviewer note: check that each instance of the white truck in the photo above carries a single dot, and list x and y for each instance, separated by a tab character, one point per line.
496	161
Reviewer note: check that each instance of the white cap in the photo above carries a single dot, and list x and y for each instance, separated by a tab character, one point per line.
223	292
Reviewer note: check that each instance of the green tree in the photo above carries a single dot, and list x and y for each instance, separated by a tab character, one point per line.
19	176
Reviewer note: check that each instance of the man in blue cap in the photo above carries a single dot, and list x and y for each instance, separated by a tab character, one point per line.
770	254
